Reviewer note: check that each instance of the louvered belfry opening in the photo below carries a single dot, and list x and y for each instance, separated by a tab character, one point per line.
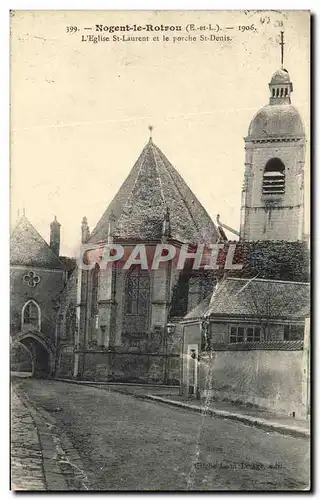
274	178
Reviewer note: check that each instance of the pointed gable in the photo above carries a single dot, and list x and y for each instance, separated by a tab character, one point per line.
152	189
28	248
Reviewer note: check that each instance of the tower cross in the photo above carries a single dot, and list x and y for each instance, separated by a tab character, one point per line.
282	44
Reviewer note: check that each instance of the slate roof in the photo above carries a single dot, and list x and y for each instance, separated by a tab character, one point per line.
28	248
152	187
256	298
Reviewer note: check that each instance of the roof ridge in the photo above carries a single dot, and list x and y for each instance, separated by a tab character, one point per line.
269	280
157	169
143	155
164	160
177	187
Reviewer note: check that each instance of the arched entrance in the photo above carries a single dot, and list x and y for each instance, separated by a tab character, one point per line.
40	350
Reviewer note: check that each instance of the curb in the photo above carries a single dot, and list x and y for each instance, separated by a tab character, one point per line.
245	419
96	383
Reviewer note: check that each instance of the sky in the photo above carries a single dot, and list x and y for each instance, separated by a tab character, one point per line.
80	111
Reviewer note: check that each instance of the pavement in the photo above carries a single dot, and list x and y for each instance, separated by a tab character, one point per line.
248	415
122	442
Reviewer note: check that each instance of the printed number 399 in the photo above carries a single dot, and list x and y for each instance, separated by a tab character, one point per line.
71	29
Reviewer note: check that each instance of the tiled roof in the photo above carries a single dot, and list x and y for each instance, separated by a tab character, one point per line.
260	298
28	248
152	187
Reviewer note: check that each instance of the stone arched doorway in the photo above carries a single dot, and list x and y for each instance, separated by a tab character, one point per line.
40	350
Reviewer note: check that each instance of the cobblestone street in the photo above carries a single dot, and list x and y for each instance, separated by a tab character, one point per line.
71	437
26	455
42	458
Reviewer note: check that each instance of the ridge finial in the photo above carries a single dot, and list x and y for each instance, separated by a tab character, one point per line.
150	127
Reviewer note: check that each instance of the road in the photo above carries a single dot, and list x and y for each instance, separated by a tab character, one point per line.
127	443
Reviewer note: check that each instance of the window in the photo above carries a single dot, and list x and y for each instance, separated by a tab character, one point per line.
236	334
293	332
245	334
94	293
195	292
31	315
137	292
273	177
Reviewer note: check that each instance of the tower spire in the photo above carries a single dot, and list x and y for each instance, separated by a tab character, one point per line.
282	44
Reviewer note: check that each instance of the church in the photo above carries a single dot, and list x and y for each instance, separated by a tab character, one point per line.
117	324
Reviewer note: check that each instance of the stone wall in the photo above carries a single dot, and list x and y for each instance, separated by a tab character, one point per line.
131	367
45	294
65	362
20	358
267	378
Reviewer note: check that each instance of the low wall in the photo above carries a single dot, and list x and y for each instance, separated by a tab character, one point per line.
267	378
123	367
132	367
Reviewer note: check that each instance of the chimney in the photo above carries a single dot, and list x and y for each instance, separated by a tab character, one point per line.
85	231
55	236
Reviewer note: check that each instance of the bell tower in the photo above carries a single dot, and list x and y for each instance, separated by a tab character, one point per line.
272	204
